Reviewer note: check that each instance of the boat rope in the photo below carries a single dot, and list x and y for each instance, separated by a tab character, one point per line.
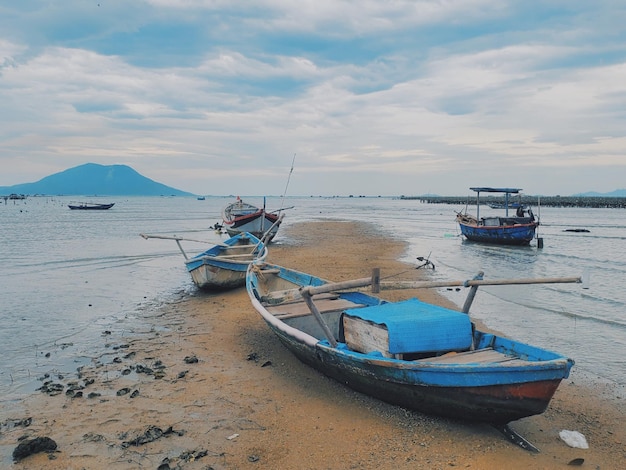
396	274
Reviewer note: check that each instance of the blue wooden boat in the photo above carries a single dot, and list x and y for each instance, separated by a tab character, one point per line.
413	354
518	229
240	216
224	265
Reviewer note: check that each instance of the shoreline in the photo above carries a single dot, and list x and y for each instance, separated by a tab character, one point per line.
205	384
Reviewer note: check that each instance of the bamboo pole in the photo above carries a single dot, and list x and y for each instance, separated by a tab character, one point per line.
290	295
472	293
308	292
169	237
468	303
329	287
318	316
283	209
266	234
180	247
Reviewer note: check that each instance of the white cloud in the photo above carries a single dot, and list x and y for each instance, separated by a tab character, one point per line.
193	93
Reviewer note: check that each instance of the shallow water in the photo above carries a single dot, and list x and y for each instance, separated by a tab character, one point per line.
69	277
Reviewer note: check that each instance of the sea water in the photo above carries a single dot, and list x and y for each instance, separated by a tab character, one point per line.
68	277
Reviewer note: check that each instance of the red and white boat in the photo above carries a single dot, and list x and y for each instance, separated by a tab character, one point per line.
241	216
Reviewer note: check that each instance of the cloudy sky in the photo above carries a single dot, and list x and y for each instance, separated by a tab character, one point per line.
371	97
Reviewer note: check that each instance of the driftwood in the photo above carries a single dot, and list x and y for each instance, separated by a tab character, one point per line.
151	434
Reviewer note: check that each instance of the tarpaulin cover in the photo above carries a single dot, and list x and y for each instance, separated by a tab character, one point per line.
415	326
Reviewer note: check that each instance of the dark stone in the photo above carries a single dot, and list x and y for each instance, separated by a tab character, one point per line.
191	360
140	369
33	446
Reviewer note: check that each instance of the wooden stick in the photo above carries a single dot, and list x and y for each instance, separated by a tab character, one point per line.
267	232
180	247
284	209
375	280
318	316
468	303
311	290
289	295
472	293
166	237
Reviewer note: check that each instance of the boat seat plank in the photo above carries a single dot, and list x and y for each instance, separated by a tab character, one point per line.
480	356
297	309
271	300
240	256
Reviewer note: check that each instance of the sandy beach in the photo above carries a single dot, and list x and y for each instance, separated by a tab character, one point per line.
206	385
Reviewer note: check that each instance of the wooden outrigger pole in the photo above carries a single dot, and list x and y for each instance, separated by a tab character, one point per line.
307	292
179	239
374	281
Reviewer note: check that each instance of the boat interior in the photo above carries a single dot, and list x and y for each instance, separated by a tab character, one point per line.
495	221
503	221
243	250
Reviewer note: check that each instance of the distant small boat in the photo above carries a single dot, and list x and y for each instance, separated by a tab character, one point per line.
512	205
240	216
224	266
508	230
90	206
201	198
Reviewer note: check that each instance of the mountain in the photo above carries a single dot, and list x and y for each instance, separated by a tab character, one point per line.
94	179
616	193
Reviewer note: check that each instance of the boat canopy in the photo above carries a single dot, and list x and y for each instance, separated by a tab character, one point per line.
497	190
506	192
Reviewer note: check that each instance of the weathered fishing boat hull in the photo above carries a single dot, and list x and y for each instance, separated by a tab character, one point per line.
494	404
217	269
515	230
512	381
211	274
521	234
257	224
241	217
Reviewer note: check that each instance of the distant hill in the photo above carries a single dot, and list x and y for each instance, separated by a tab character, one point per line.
94	179
616	193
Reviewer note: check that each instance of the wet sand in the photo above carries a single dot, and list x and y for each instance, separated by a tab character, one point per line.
205	385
